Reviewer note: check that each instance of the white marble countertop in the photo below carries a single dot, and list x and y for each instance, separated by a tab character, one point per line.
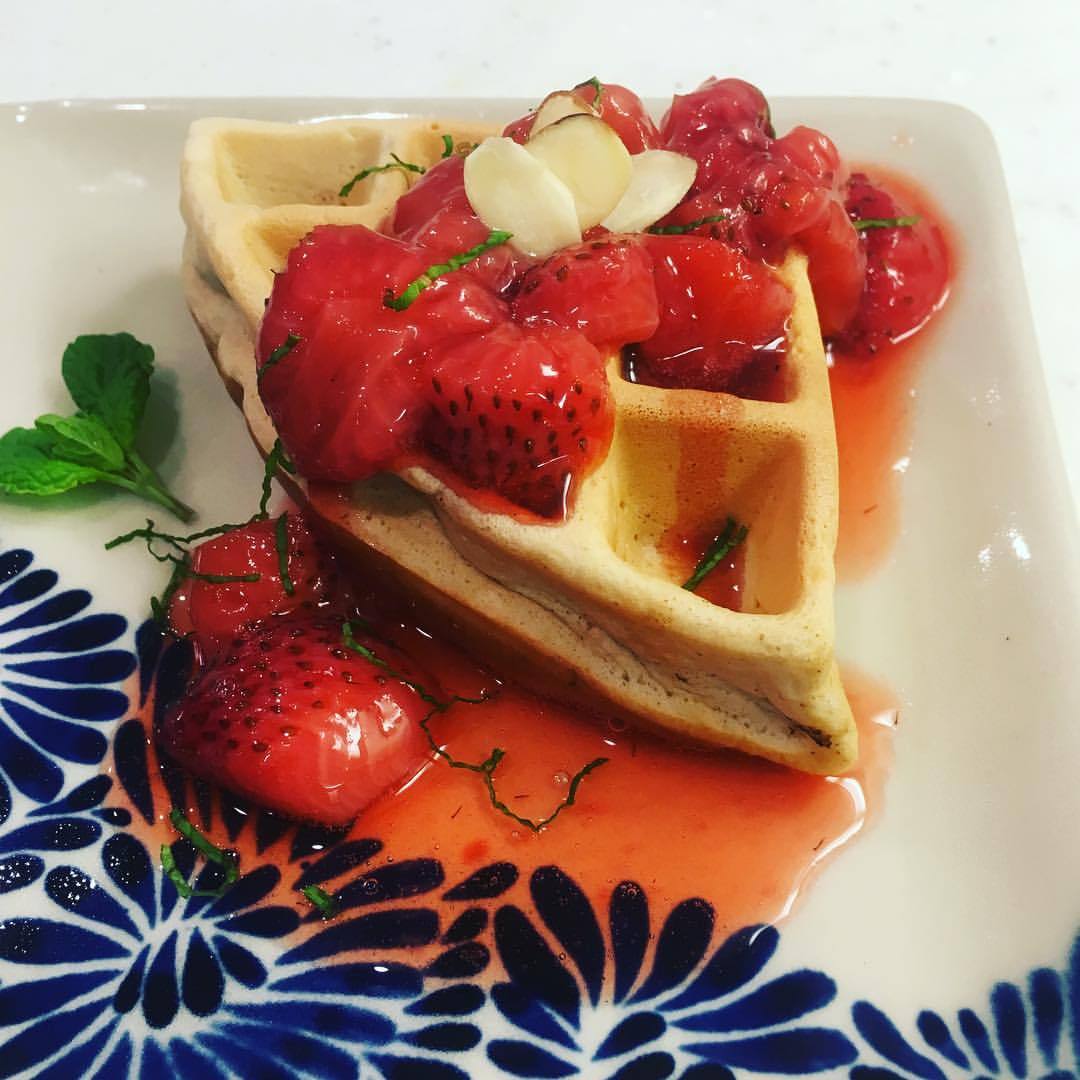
1013	64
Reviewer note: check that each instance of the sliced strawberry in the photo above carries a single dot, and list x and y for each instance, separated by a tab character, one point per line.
215	614
343	399
602	288
436	215
522	413
297	723
718	312
907	272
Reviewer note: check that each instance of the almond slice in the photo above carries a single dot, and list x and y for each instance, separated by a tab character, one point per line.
658	181
511	189
590	159
557	106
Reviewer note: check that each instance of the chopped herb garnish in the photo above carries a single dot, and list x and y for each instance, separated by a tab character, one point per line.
363	174
210	851
108	378
180	558
689	226
274	460
429	276
278	355
486	768
321	899
732	535
447	146
861	224
159	605
281	542
598	89
178	545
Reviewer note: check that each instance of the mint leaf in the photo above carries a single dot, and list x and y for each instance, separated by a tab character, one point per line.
108	376
84	440
28	468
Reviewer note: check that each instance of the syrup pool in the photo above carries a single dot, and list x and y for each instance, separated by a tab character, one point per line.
743	834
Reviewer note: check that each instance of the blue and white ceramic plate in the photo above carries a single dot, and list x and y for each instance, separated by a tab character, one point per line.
940	944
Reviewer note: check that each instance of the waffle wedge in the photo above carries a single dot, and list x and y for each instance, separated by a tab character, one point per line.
589	605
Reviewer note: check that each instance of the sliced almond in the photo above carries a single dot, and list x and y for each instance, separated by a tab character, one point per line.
557	106
590	159
511	189
658	181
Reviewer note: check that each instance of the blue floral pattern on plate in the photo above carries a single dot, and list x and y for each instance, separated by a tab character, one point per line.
107	972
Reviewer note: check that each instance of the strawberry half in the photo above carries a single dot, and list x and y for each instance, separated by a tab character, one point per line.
521	412
215	614
293	720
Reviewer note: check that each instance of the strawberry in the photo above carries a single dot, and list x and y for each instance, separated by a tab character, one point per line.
214	614
293	720
836	267
718	311
344	399
602	288
618	107
907	272
521	412
623	110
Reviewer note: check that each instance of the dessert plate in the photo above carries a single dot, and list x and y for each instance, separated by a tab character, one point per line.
939	943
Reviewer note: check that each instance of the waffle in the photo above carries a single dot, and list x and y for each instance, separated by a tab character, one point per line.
589	606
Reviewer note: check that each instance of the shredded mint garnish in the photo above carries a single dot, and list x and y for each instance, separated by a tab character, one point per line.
278	355
690	226
861	224
598	89
486	769
429	276
281	542
108	378
321	899
397	163
733	534
210	851
178	545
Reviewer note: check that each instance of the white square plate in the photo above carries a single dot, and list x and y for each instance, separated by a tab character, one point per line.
962	897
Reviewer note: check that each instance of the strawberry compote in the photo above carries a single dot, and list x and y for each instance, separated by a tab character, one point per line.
437	342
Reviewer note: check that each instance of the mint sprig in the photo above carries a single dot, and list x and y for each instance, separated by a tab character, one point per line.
108	378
